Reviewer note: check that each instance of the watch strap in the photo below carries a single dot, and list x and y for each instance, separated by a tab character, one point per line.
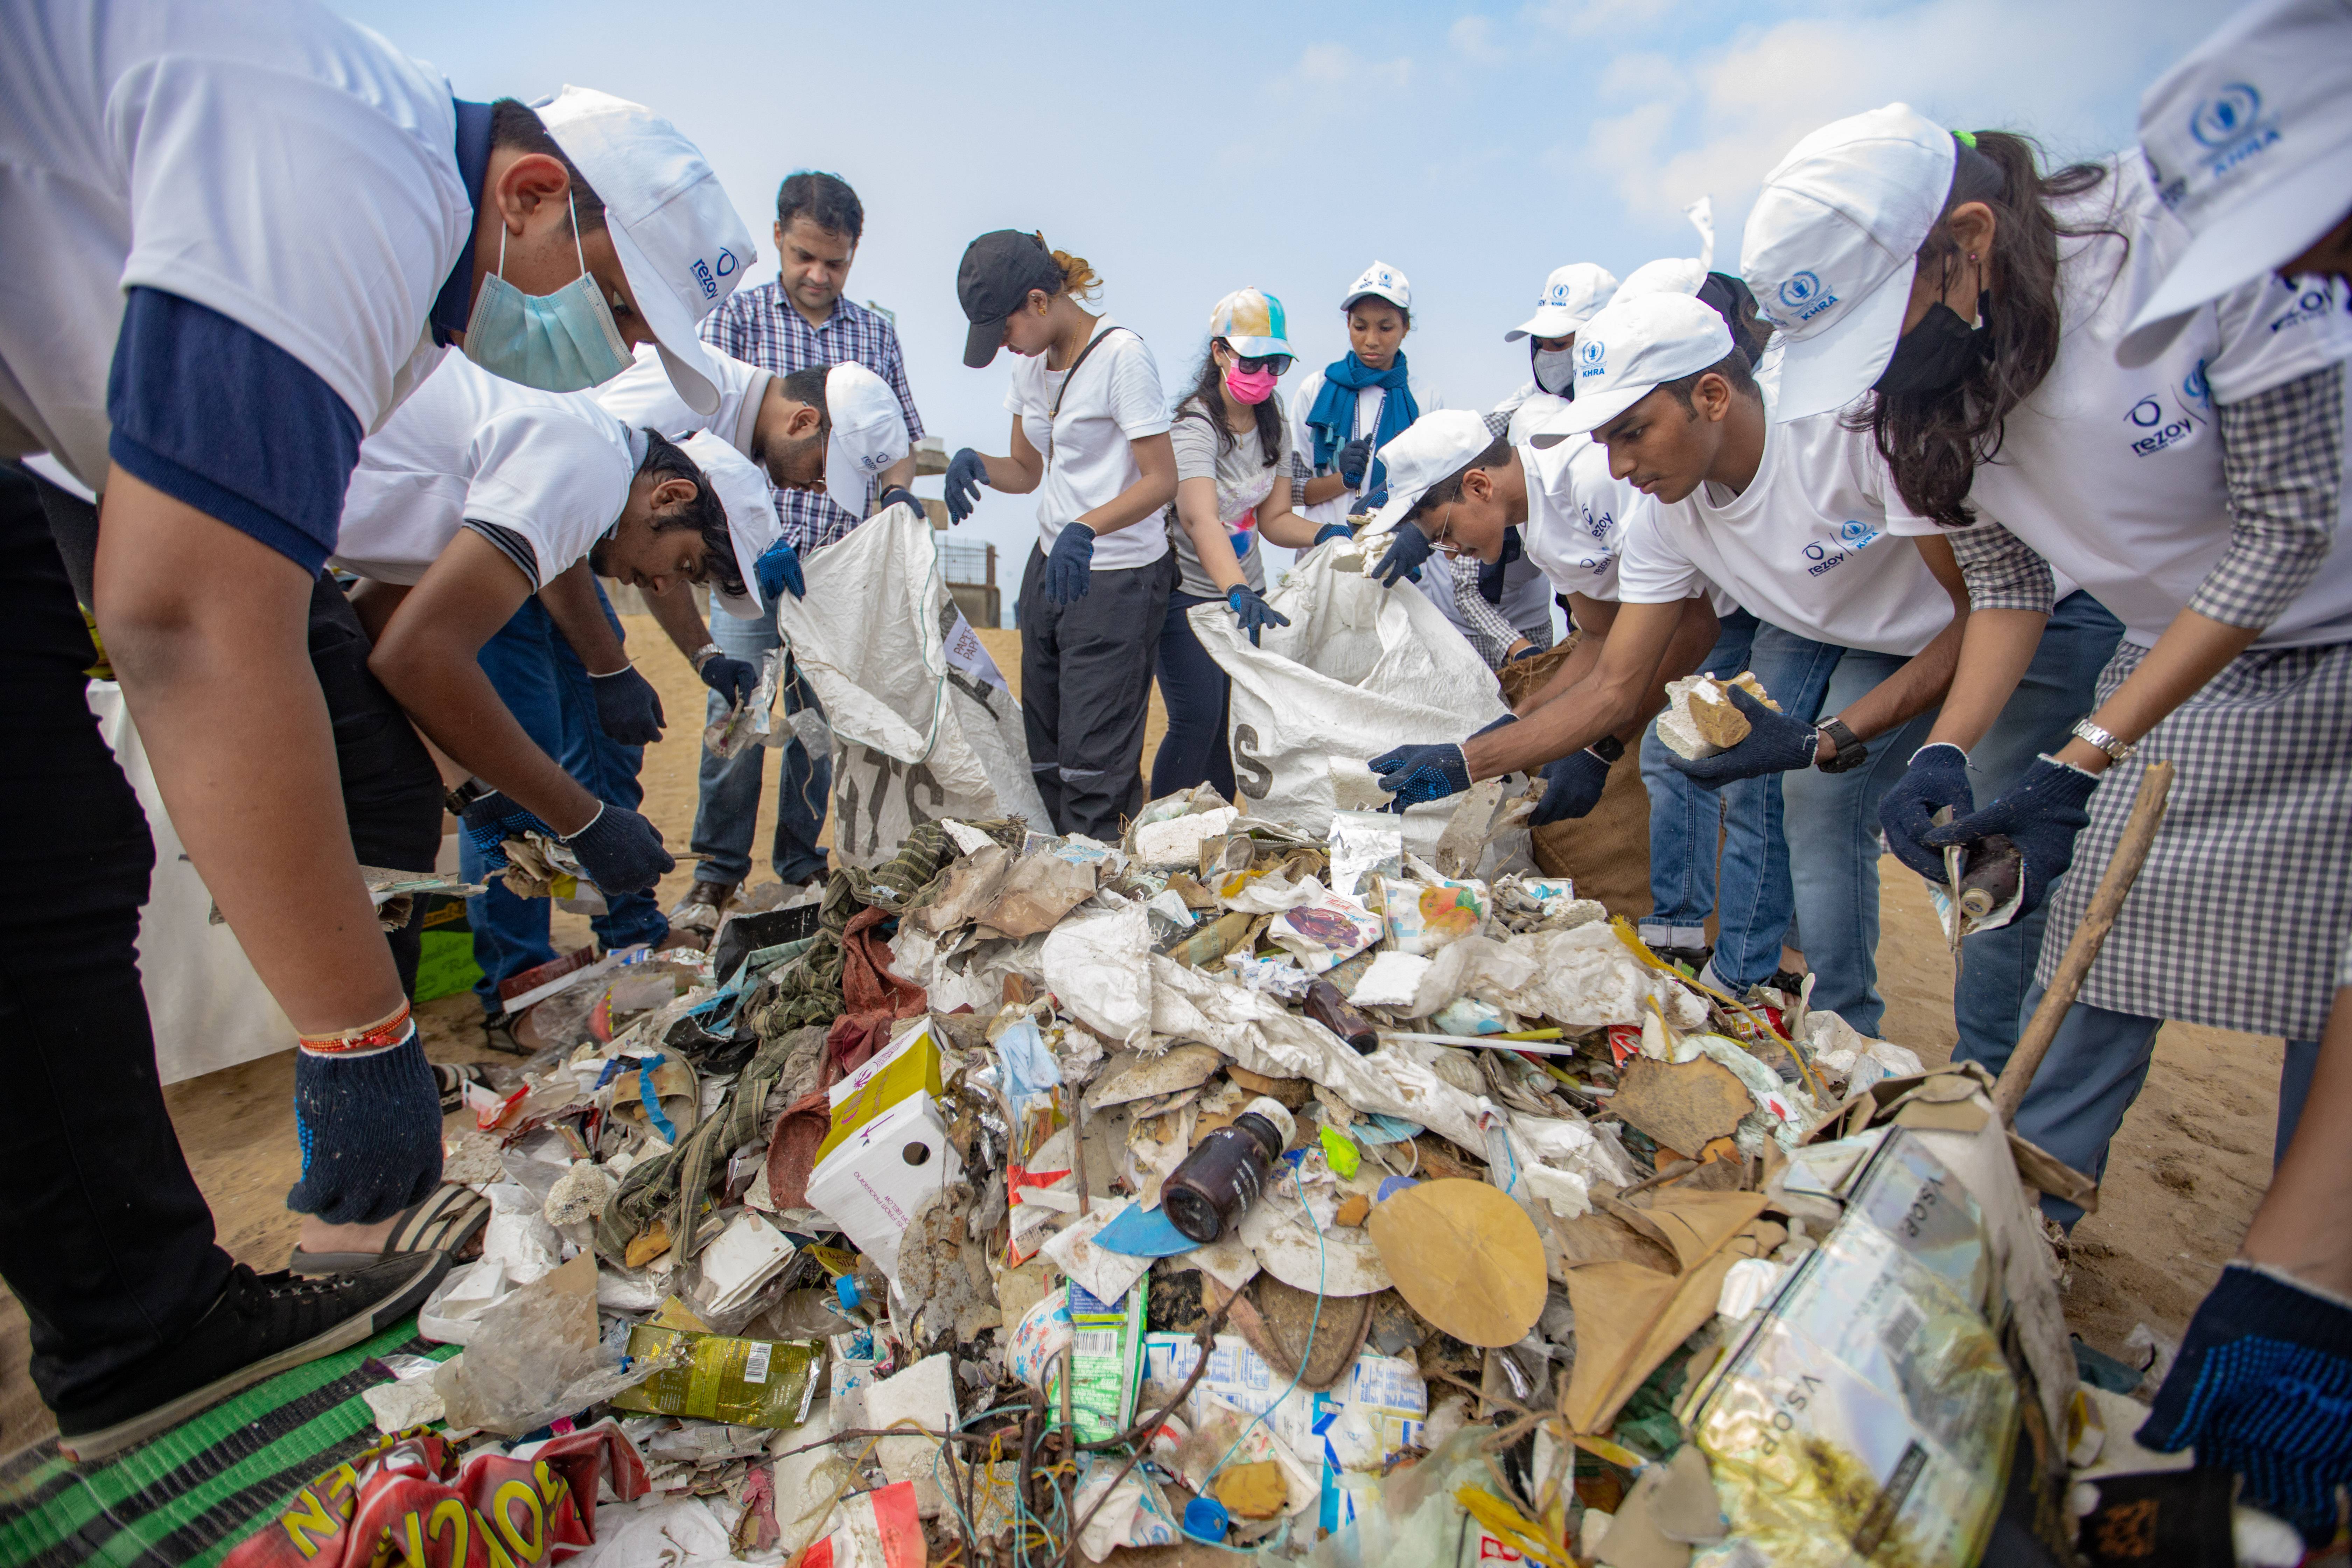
704	655
2105	738
1846	751
1609	748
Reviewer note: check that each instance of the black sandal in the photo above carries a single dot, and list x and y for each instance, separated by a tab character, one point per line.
446	1220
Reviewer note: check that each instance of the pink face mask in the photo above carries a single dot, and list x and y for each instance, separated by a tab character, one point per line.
1250	386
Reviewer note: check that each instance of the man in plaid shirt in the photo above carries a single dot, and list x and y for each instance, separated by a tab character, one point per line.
798	322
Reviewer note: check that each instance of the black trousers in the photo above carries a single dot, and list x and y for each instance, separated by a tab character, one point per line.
105	1237
1085	691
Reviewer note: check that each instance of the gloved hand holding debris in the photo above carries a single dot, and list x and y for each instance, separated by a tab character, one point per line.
2041	812
1416	773
621	851
1333	531
1572	786
1407	550
1937	777
733	678
2261	1388
628	709
1776	743
492	819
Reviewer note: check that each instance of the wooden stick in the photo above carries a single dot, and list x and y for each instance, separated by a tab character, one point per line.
2090	935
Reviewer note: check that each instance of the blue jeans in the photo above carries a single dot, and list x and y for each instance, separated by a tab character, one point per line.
728	815
2058	688
1683	822
545	686
1832	819
2096	1065
1197	691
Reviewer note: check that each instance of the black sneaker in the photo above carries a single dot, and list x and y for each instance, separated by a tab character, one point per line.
497	1033
1689	960
262	1325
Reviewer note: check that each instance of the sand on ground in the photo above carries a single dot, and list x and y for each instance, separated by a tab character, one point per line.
2184	1177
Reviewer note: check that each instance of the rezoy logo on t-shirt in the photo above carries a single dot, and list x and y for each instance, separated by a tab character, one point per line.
2311	305
1852	534
2151	426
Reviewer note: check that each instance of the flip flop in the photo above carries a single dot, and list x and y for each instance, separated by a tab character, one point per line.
446	1220
451	1079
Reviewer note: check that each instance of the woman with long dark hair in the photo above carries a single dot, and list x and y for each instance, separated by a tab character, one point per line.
2194	495
1232	489
1090	436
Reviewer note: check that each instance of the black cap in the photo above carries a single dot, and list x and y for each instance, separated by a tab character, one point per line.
998	271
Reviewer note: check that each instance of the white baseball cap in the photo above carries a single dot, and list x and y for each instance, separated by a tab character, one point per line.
1433	448
867	435
1383	280
680	242
1572	295
1830	247
2249	140
751	520
1628	350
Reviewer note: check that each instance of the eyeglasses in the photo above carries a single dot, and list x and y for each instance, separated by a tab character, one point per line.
1278	364
1439	540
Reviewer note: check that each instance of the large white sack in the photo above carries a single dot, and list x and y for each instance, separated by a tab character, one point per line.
1361	668
924	725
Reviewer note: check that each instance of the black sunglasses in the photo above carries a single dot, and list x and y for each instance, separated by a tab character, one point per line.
1278	364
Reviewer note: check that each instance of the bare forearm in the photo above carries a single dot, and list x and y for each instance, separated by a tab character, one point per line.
898	474
1148	497
2303	1225
1324	489
2192	651
1914	688
1012	475
1996	645
1597	707
571	601
678	614
454	703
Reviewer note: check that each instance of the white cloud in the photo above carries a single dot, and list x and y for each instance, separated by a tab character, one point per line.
1473	38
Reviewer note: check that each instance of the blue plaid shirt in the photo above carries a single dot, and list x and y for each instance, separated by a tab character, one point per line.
760	326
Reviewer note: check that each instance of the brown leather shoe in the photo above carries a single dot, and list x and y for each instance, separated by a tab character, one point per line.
700	910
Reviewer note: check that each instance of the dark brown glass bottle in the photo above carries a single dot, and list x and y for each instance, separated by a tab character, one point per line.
1337	1014
1225	1172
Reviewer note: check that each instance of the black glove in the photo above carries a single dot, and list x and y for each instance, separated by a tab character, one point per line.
2041	813
621	851
1069	568
899	495
1353	459
1408	548
1776	743
2261	1388
1417	774
1937	777
1252	611
967	471
370	1130
733	678
1528	652
1572	786
1332	530
627	707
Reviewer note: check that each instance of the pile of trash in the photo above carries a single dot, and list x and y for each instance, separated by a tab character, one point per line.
1028	1197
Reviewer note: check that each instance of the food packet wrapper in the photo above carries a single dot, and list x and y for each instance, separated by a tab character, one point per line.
1326	932
1423	917
1700	720
744	1382
1364	844
751	723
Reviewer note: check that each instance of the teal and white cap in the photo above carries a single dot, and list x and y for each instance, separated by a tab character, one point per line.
1251	319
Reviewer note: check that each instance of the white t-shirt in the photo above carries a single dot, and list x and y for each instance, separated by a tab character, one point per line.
1368	421
641	396
1577	512
1807	546
2115	476
272	161
552	470
1088	461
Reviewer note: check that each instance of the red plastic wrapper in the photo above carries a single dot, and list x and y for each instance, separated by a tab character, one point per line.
407	1500
879	1530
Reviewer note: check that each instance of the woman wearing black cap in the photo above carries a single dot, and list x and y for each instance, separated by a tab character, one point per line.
1091	436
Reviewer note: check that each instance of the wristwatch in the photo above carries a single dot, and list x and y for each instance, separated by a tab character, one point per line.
703	656
1846	752
462	795
1609	748
2104	740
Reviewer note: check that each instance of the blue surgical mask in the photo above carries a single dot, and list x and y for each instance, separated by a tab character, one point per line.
561	342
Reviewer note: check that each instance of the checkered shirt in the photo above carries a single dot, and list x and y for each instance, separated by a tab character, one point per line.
760	326
2283	461
2241	911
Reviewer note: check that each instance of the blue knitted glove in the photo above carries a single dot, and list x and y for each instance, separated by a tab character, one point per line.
1937	777
1408	548
621	851
2041	812
628	709
493	819
1572	786
779	569
1071	565
370	1128
1776	743
1416	773
1332	530
2264	1387
1252	611
966	473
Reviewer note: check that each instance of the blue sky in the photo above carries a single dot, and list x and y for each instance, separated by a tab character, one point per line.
1188	151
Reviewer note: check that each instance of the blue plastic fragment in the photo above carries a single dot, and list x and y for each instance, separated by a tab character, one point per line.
1393	1185
1138	1232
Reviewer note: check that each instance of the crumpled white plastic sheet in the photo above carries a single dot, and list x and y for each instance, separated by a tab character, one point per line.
1856	1056
1582	978
1098	964
666	1531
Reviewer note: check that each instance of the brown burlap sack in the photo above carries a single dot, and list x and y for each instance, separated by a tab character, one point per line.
1606	853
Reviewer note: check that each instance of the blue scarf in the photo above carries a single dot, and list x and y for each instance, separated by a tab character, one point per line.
1332	420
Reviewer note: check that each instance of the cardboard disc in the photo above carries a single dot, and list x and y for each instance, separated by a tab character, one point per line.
1466	1257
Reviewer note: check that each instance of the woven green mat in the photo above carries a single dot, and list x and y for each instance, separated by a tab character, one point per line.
186	1497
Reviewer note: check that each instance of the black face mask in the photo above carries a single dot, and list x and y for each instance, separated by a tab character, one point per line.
1937	354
